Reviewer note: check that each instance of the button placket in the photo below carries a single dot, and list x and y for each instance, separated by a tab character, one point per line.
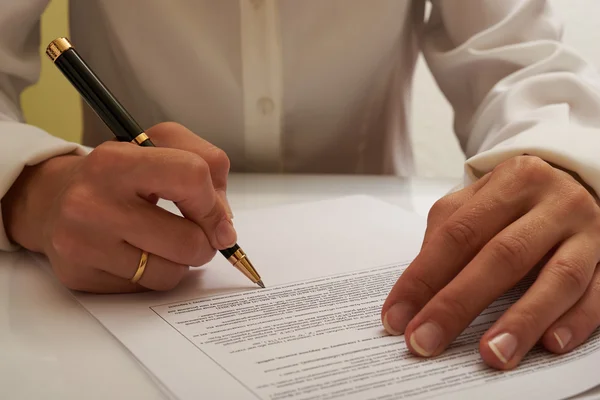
261	66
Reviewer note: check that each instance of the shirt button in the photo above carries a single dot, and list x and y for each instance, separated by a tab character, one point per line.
256	3
265	105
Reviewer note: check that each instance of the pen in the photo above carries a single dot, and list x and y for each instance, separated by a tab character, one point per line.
121	123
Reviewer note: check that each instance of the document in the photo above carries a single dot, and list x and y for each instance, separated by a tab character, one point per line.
322	339
315	332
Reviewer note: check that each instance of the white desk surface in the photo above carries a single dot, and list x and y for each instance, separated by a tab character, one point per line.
51	348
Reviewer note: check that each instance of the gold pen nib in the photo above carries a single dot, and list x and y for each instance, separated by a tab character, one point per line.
239	260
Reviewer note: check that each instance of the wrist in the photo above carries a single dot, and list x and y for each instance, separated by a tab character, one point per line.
26	205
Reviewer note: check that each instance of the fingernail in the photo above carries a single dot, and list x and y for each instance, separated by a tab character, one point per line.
504	346
563	336
226	235
223	196
397	317
426	338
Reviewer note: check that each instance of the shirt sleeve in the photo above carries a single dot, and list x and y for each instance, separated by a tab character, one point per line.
514	86
21	144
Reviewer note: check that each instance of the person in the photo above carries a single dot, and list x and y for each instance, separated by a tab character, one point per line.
321	87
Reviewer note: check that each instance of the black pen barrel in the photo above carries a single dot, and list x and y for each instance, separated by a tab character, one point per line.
94	92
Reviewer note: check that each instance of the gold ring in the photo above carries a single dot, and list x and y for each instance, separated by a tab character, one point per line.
141	267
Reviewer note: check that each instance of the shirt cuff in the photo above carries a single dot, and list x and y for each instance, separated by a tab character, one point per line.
571	147
24	145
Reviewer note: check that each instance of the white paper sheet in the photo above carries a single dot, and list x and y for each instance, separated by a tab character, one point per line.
315	332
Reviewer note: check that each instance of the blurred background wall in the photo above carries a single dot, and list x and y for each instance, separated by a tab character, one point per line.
437	152
61	118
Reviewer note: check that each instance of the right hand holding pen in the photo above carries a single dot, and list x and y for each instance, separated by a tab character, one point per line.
94	215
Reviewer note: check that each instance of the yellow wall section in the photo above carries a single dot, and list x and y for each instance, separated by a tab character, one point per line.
52	104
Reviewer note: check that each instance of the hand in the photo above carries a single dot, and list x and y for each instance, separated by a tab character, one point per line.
92	216
480	242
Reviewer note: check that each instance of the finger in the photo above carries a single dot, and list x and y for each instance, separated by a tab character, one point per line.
159	274
83	277
143	225
578	323
159	232
177	136
559	286
500	265
119	259
448	205
450	248
96	281
175	175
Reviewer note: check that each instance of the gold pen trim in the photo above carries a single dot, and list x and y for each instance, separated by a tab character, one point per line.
141	138
57	47
243	264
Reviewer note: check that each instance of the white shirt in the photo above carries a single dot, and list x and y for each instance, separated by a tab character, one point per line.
316	86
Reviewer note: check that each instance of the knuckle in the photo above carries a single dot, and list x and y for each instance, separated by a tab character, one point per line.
198	168
169	125
523	172
571	273
191	175
438	208
442	204
511	251
578	198
198	183
532	170
460	233
218	161
163	132
108	154
166	126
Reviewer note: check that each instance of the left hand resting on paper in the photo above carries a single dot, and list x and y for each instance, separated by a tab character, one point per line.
481	241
